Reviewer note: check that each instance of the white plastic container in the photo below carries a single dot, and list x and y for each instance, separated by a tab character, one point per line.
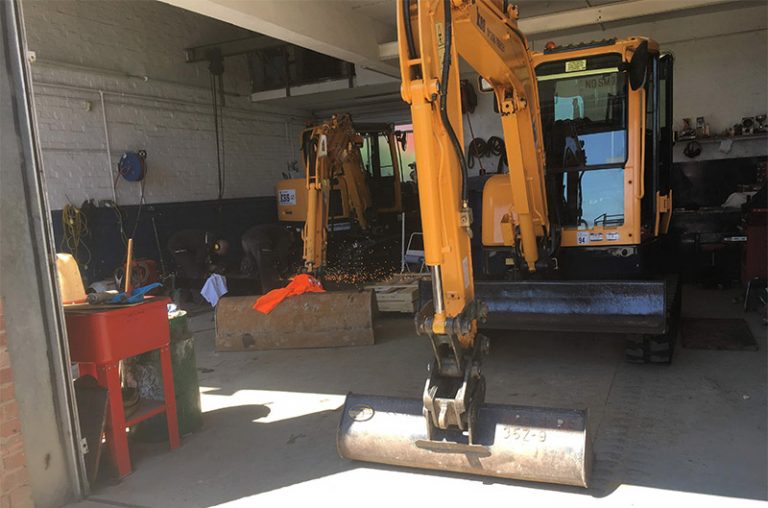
71	288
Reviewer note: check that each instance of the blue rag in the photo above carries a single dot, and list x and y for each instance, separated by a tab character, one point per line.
137	294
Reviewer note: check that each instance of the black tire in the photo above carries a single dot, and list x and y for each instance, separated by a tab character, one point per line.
657	349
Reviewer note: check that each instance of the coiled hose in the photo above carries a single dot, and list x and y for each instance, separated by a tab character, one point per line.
75	226
479	148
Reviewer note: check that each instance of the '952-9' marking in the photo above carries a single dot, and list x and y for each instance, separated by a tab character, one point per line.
525	434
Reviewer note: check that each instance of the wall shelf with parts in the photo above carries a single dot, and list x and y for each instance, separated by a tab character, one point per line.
719	139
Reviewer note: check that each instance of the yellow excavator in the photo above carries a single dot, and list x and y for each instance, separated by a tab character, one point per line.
341	193
587	135
347	205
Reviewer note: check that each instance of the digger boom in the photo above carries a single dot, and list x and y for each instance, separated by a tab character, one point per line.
456	431
331	151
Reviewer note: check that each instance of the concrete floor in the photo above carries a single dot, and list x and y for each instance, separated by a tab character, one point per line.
694	432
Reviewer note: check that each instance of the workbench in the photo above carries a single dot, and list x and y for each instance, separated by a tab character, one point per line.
99	339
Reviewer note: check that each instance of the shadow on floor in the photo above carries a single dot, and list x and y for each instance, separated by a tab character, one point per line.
697	426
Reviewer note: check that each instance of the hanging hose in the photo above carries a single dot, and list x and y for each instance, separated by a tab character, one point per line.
479	149
476	150
75	226
444	79
408	29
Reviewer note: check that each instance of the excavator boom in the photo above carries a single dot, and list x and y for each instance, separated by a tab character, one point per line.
331	153
451	428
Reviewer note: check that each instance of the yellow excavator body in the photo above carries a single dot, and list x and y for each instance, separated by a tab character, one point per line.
557	140
337	190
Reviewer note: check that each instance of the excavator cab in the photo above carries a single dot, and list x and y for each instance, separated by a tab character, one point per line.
608	157
351	187
606	117
379	157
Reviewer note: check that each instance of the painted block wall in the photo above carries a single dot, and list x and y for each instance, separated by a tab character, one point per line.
123	61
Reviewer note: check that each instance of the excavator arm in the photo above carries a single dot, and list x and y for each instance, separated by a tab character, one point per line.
451	428
331	157
432	34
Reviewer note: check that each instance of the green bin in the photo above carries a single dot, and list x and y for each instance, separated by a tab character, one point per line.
146	370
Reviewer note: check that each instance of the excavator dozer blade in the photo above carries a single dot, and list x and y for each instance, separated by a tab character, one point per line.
573	306
311	320
516	442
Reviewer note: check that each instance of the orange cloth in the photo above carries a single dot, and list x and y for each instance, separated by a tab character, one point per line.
300	284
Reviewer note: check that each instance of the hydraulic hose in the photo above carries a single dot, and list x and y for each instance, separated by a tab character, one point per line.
444	79
408	29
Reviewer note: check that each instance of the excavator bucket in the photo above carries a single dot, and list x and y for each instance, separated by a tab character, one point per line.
515	442
334	318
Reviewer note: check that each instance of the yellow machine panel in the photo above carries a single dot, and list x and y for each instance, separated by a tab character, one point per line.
291	197
497	211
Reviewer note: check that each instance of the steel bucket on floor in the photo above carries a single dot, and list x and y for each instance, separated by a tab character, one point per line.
516	442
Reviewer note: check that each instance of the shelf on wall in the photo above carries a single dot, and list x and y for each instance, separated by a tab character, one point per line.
718	139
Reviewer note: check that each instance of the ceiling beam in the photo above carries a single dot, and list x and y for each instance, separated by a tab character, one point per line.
324	27
231	48
590	16
565	20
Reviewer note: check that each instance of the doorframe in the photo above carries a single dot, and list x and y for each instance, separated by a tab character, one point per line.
36	201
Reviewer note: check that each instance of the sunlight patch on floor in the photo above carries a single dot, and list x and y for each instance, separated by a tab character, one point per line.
408	489
282	405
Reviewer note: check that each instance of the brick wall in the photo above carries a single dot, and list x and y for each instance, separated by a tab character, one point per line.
15	491
132	54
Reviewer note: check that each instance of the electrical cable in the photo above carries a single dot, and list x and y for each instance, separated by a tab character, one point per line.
120	221
476	147
399	161
75	226
476	150
141	206
480	148
215	105
497	148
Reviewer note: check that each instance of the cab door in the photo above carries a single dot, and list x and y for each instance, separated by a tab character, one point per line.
657	200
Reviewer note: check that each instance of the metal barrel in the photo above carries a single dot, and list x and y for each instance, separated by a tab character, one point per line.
331	319
516	442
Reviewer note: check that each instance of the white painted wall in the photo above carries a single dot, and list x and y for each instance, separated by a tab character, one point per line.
132	52
721	71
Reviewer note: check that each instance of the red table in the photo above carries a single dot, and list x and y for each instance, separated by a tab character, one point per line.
99	339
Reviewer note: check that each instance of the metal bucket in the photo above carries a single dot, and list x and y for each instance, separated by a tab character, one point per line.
516	442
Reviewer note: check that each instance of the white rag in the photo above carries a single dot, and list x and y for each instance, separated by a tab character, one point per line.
215	287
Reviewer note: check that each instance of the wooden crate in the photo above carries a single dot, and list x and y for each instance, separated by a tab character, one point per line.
398	294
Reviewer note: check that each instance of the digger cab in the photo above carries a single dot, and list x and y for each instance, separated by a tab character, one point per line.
381	175
607	139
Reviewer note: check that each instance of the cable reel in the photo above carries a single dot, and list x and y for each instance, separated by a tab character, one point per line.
132	166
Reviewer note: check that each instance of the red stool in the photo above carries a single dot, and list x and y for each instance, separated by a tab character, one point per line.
99	339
